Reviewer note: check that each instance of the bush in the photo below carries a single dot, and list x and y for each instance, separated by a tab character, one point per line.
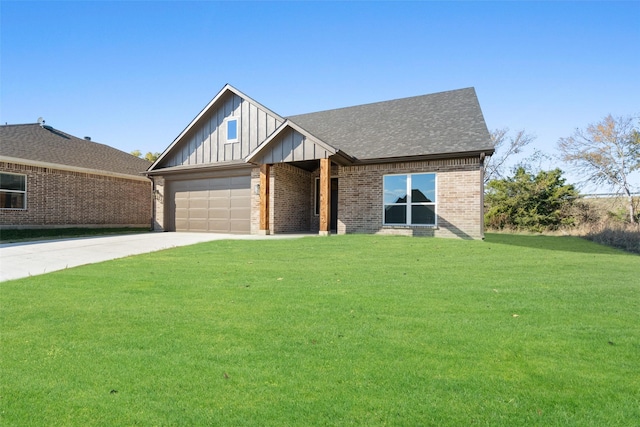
526	202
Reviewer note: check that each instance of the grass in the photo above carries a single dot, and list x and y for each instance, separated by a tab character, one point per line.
346	330
12	236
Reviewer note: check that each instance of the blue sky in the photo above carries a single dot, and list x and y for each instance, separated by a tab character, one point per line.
134	74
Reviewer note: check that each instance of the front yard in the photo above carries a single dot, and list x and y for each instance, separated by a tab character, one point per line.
346	330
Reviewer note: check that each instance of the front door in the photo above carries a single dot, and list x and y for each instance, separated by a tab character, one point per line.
334	205
333	220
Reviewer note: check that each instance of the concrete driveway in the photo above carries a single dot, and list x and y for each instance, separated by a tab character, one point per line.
18	260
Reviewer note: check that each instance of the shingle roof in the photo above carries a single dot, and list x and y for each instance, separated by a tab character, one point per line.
33	142
439	123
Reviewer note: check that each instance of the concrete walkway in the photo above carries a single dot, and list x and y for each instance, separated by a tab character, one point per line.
18	260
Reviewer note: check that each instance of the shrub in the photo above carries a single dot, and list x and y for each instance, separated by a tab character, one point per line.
530	203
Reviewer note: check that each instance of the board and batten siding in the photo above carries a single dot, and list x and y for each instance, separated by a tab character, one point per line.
292	146
206	143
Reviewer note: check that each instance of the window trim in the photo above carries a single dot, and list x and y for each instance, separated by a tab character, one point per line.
226	127
409	203
24	192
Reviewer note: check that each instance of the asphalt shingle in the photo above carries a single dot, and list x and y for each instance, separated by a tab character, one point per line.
46	144
439	123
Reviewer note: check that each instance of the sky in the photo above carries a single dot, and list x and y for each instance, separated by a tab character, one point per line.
134	74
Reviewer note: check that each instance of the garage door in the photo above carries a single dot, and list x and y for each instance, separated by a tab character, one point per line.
218	205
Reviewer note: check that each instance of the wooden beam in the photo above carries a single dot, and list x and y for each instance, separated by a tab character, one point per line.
325	196
264	199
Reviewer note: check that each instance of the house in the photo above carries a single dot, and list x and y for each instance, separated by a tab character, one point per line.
51	179
411	166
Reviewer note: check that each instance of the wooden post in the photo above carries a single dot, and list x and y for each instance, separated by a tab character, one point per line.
325	196
264	199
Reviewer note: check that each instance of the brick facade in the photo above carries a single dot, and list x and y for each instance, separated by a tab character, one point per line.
60	198
459	198
360	195
292	200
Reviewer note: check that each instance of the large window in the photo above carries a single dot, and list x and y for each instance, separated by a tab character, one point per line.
410	199
13	191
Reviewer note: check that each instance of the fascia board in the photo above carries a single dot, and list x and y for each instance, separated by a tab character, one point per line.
435	156
238	164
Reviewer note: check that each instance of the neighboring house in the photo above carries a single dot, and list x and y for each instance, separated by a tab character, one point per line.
51	179
411	166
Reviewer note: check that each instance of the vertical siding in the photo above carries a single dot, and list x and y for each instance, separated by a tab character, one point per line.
206	142
292	146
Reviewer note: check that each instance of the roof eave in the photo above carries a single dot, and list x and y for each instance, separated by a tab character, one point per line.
194	168
139	176
433	156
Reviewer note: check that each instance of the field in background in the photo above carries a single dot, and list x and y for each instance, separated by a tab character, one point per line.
346	330
605	220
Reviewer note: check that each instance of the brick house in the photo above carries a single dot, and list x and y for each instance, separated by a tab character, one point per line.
411	166
50	179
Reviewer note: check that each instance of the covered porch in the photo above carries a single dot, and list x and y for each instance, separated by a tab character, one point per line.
294	187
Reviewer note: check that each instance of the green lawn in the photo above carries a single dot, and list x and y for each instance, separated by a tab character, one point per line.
345	330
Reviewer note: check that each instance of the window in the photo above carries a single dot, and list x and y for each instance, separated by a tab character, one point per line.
13	191
232	129
409	199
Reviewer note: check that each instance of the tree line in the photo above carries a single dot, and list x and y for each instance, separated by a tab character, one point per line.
605	153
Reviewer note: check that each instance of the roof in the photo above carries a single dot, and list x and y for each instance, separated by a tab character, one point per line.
44	144
439	123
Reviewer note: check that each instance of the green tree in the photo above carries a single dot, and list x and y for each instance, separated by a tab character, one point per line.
152	157
528	202
607	152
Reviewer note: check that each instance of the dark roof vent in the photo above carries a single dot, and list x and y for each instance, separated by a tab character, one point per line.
87	138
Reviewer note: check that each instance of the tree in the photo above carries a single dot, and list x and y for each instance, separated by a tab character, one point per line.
506	146
606	153
528	202
152	157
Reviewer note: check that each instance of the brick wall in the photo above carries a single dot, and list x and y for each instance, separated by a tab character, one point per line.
292	199
292	192
459	198
65	198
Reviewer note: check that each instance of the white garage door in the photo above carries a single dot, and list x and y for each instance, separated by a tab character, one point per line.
218	205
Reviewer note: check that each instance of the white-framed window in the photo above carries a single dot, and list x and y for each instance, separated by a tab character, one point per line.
409	199
13	191
231	125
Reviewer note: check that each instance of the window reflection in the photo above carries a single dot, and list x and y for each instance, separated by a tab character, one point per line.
409	199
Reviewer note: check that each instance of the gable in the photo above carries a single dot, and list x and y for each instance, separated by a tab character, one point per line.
205	141
291	143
